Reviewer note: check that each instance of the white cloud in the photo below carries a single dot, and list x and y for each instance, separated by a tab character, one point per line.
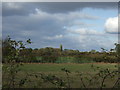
88	42
54	37
27	33
86	31
12	5
111	25
87	39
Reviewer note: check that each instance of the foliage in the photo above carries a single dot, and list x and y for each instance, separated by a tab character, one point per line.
58	55
99	79
61	48
11	57
49	55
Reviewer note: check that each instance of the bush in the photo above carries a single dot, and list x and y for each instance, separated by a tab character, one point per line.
49	59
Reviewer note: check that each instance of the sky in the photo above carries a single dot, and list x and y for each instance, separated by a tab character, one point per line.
76	25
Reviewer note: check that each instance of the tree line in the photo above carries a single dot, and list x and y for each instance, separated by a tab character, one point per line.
55	55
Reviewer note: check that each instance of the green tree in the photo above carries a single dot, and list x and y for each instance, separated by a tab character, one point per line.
93	51
117	48
61	47
11	55
49	54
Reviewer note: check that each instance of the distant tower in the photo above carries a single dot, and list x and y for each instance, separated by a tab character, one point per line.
61	48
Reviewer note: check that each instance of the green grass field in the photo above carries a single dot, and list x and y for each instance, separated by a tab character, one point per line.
72	67
55	69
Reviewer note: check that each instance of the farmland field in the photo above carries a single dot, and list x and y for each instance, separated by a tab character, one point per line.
55	69
52	67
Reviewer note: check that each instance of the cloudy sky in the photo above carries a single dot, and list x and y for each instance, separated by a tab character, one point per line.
78	25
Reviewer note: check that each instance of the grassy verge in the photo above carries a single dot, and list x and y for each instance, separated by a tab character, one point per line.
55	69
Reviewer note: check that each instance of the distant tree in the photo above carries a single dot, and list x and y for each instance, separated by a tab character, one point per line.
49	54
117	48
93	51
103	49
28	55
61	47
36	49
112	50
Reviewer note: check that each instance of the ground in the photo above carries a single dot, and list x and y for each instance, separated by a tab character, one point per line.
55	69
